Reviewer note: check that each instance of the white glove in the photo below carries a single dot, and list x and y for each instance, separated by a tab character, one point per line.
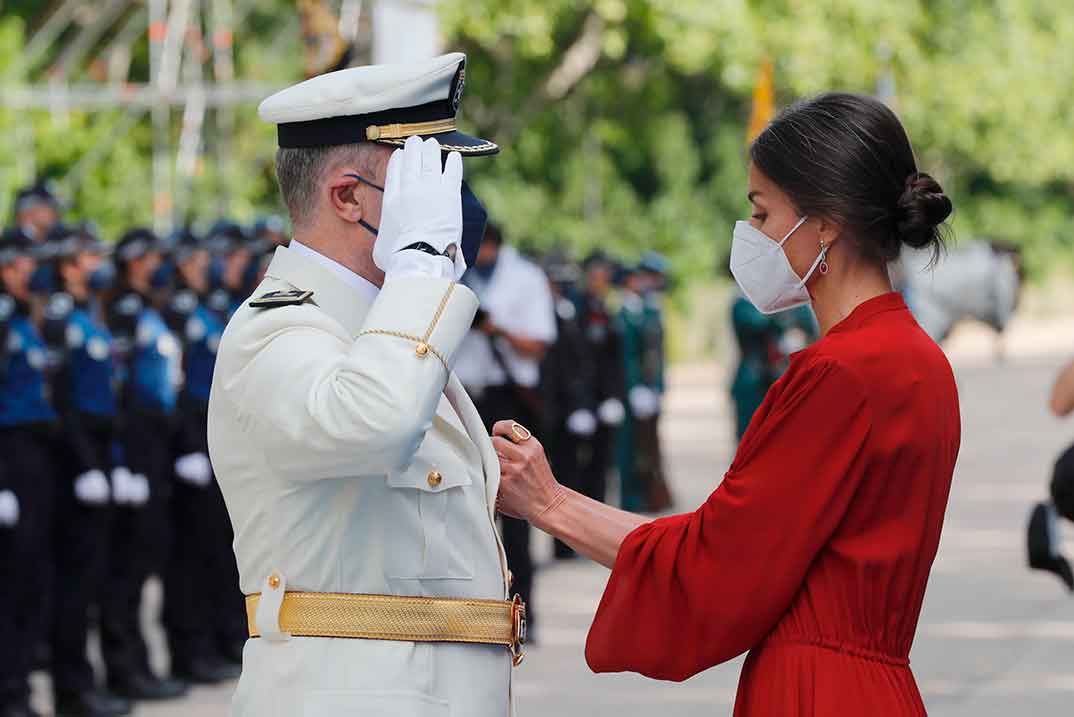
582	423
91	488
422	203
128	488
194	468
644	402
139	490
9	509
611	412
121	481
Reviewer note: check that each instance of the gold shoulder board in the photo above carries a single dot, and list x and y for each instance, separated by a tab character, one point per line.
281	298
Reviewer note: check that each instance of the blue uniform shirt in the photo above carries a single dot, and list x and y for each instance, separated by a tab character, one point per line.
153	367
201	329
82	345
23	361
224	302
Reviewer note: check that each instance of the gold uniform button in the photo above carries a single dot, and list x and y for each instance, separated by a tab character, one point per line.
435	478
510	579
422	349
274	581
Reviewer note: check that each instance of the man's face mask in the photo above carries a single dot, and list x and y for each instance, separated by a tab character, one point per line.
474	218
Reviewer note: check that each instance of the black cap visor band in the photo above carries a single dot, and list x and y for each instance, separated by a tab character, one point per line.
334	131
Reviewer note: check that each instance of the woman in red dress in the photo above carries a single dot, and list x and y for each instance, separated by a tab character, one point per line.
814	551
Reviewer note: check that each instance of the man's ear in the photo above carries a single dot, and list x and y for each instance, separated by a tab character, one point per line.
346	198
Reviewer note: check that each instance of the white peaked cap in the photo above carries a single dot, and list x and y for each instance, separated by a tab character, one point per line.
376	103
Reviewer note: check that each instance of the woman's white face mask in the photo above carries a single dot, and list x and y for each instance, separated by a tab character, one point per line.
763	271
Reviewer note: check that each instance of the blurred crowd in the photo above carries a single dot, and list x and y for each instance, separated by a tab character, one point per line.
107	351
106	361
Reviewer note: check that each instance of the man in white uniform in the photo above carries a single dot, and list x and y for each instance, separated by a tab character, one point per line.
359	477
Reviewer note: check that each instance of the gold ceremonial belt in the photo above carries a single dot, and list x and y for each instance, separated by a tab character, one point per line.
394	617
403	130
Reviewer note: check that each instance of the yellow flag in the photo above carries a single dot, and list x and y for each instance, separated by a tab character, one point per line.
764	101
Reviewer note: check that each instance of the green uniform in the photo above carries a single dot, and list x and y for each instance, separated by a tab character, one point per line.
641	325
763	354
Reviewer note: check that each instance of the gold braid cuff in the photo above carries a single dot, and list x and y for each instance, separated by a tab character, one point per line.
423	348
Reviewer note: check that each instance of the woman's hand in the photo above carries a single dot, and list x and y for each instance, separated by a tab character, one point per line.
527	487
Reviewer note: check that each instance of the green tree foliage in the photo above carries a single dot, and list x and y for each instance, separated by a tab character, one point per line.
623	121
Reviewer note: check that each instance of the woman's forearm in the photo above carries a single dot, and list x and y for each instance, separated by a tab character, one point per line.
593	529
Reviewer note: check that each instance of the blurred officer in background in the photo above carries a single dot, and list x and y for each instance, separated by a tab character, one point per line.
271	230
1042	539
499	362
27	448
567	380
83	390
38	208
603	370
150	364
204	613
232	253
641	323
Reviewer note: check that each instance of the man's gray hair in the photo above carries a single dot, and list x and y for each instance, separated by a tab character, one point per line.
300	171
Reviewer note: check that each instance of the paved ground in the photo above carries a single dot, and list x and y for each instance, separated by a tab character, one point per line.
993	640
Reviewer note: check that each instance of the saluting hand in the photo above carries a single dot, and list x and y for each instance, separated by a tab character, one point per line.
527	486
422	204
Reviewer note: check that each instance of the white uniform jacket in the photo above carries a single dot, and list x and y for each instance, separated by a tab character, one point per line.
352	461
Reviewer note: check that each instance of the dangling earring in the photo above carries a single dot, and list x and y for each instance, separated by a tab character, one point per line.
823	268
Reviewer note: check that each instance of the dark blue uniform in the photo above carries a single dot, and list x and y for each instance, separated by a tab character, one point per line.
84	391
223	302
150	371
23	387
26	449
205	613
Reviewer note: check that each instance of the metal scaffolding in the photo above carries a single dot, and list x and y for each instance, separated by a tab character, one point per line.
191	75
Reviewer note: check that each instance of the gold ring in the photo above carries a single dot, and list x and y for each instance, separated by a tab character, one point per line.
521	433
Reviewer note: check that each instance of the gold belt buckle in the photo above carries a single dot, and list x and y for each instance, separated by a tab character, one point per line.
518	634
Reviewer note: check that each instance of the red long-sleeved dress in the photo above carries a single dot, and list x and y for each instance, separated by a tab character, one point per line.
814	551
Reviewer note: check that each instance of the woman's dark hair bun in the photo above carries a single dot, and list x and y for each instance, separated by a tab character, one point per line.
922	208
847	157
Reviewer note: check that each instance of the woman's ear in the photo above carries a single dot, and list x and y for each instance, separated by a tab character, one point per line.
829	231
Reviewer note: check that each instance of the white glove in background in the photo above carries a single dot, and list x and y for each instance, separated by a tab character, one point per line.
91	488
194	468
611	412
582	423
644	402
128	488
139	490
422	203
9	509
121	478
